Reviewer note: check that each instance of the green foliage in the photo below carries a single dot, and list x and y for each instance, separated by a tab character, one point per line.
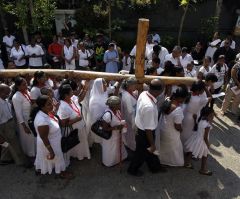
42	15
208	27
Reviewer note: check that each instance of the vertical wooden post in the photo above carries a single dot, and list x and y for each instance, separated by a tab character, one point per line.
143	25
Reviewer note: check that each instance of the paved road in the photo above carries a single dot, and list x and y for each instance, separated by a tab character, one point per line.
93	181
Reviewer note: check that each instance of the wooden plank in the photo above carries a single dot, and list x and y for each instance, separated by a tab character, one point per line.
143	26
93	75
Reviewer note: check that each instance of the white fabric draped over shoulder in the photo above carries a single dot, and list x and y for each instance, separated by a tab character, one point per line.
97	104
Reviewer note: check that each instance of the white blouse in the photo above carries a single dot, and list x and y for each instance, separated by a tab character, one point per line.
16	55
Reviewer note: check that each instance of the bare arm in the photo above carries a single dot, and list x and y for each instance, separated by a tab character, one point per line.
206	136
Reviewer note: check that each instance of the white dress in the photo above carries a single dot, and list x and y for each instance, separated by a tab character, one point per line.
68	53
196	143
65	111
54	137
128	109
111	148
171	149
22	107
97	106
194	106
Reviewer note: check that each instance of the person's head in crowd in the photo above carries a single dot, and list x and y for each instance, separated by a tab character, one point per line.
111	47
156	62
198	47
207	113
149	39
16	43
114	103
184	51
39	79
81	46
210	79
198	87
126	53
227	43
65	93
169	69
156	49
72	83
44	104
73	36
130	84
190	66
4	91
151	71
156	87
67	42
99	87
20	84
179	71
220	62
180	94
6	31
33	41
55	38
176	52
38	37
47	91
207	61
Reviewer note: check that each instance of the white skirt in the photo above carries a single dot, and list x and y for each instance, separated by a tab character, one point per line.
45	165
197	146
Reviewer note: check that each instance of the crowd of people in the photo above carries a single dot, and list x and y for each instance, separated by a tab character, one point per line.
162	125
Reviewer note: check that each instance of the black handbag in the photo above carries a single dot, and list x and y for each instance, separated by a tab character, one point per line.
69	139
32	128
97	128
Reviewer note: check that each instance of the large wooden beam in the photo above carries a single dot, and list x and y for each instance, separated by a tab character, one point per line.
93	75
143	26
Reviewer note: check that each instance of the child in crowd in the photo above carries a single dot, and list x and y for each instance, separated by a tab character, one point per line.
189	71
198	144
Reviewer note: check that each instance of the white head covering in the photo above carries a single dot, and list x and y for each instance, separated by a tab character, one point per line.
97	102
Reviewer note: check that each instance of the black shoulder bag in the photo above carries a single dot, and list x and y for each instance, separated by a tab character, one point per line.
97	128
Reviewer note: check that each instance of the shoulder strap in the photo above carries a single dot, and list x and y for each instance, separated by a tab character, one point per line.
107	112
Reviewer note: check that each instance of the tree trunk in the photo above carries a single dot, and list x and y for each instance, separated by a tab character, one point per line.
31	8
25	34
110	19
3	20
218	13
185	9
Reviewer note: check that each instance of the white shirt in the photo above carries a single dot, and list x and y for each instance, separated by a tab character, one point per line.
35	93
204	71
83	56
159	70
169	57
233	44
126	64
147	112
192	73
8	40
186	60
37	50
220	75
156	37
5	111
1	64
16	55
161	56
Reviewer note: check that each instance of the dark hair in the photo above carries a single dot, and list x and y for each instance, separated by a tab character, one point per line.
17	82
169	68
184	49
211	77
37	75
156	60
71	82
41	102
181	92
151	70
205	112
178	70
156	49
64	90
69	40
197	86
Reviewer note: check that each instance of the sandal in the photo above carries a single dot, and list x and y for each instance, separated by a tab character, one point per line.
207	173
66	175
188	166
